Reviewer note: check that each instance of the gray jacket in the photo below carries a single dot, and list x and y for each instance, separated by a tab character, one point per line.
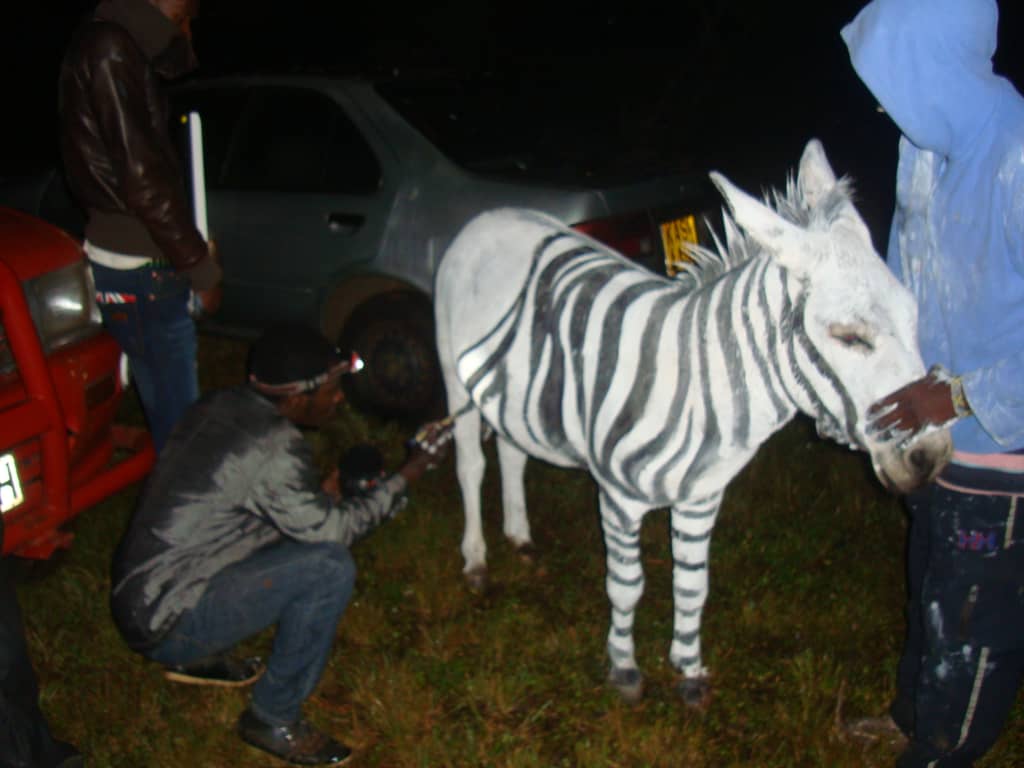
234	477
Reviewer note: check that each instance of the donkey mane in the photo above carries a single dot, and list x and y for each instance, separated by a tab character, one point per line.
738	248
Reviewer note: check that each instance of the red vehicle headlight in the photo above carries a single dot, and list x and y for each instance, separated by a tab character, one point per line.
63	305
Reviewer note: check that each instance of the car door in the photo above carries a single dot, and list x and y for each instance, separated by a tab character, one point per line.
293	196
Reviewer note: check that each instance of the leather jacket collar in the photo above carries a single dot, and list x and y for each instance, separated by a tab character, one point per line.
169	52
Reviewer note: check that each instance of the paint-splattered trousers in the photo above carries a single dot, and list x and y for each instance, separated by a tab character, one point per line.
964	653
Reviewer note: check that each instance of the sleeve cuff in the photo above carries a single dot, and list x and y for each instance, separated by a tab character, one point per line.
204	275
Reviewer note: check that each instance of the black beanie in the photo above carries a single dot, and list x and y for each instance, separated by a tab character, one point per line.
290	352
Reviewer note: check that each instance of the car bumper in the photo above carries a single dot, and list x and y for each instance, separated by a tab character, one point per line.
58	415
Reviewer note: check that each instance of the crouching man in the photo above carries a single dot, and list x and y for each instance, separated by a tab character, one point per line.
235	531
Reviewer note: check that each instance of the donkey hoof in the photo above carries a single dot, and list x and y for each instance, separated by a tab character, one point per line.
476	580
695	691
628	682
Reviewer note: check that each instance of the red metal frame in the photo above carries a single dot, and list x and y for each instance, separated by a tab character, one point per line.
34	529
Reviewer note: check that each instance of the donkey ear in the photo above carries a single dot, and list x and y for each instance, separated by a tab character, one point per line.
794	248
816	178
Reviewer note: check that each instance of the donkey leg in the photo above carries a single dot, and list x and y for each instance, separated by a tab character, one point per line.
691	537
516	525
624	583
469	456
469	468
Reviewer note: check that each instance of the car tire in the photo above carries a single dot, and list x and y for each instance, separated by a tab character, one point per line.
394	335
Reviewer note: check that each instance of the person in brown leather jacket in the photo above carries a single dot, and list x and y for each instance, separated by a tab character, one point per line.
147	256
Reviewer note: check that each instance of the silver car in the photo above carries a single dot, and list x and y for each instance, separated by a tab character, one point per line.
332	200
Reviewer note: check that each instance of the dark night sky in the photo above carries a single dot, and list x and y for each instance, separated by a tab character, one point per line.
738	85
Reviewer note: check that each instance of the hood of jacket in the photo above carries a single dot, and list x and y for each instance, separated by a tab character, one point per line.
957	239
929	65
168	51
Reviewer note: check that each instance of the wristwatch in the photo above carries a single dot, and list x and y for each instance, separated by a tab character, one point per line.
956	392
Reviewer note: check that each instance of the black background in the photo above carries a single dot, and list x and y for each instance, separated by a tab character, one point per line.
739	86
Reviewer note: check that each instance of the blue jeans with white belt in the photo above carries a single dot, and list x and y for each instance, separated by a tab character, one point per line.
146	311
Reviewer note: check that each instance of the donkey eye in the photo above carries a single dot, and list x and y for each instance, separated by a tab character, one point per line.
853	336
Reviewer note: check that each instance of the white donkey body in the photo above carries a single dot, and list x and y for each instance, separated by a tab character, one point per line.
664	389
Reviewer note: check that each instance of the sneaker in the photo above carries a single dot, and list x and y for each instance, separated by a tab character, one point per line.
876	730
223	670
298	743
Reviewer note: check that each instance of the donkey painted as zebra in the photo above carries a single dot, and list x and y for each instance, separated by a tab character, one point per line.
663	389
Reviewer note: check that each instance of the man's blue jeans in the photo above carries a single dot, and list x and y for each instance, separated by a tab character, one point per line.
302	588
146	310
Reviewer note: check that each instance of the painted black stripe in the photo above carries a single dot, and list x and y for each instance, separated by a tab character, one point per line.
831	420
544	332
621	543
793	317
635	582
687	594
699	509
760	305
649	368
690	316
687	638
730	348
513	316
693	567
622	559
691	538
710	439
828	422
580	287
633	404
621	524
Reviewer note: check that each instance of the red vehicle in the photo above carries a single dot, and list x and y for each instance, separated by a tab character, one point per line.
61	383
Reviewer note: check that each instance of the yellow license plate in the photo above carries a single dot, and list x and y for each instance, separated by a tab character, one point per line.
10	485
676	238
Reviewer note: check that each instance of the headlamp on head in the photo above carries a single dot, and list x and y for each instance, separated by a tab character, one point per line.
353	364
291	359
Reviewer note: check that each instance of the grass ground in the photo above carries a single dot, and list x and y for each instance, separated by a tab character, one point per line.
802	627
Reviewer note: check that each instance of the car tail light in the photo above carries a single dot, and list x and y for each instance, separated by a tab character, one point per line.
630	234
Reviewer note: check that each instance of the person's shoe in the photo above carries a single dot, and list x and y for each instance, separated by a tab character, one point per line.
223	670
298	743
876	730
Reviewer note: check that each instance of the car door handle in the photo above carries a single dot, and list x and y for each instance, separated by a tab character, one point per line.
344	223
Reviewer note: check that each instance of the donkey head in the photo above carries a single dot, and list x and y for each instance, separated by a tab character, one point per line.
854	335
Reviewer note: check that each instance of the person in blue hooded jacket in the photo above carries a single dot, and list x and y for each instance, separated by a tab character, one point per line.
957	242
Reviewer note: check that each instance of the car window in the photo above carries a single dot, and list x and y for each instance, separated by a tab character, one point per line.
297	140
218	109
